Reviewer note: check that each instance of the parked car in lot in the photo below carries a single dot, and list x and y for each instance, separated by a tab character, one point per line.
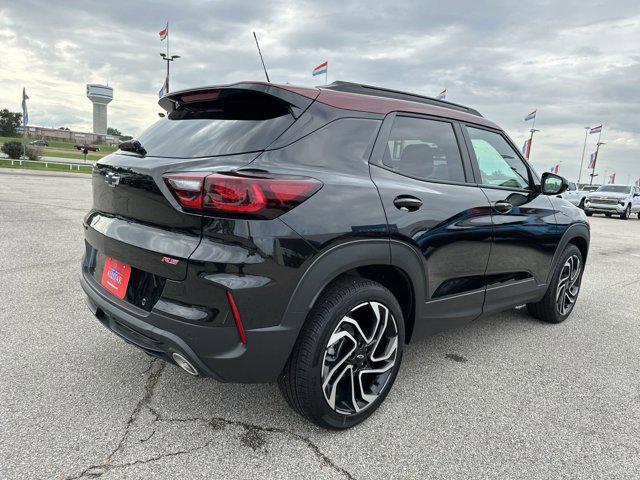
86	146
39	143
574	196
264	232
620	200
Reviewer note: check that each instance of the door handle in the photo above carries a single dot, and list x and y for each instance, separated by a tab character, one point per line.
407	203
503	207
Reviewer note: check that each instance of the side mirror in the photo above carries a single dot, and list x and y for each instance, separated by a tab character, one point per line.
553	184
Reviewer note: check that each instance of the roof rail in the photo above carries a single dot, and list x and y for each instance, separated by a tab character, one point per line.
341	86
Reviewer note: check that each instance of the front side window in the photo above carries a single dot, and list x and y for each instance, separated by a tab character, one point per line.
424	149
499	164
572	186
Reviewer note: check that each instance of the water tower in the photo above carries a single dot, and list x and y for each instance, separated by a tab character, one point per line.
100	96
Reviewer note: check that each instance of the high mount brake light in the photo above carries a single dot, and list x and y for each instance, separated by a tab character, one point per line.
235	195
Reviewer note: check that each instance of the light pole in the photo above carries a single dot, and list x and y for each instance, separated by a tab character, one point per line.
168	59
584	148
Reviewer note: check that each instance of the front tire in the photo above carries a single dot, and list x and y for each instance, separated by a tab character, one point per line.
347	355
562	293
626	214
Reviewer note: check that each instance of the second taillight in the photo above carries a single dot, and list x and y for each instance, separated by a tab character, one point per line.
240	195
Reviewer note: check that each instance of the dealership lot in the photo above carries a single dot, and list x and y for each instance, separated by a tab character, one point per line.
505	397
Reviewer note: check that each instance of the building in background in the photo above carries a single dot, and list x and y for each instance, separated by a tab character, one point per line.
43	133
100	96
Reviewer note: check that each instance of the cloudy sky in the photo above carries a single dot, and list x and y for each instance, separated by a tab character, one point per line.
577	63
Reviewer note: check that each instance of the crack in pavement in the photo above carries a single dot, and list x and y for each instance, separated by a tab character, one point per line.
248	438
95	471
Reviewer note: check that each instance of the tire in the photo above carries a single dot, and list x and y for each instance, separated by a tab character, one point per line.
607	215
581	204
314	375
626	214
548	309
589	213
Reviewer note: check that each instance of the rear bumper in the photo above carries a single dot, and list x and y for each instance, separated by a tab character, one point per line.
215	351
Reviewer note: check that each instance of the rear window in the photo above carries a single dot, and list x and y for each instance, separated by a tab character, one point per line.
235	122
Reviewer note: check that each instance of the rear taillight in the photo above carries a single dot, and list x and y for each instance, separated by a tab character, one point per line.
240	195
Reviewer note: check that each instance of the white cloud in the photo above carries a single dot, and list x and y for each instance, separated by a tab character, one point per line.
576	62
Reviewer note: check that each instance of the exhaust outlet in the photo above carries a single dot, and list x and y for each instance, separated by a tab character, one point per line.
184	364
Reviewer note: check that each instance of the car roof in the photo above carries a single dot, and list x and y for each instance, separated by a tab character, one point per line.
364	98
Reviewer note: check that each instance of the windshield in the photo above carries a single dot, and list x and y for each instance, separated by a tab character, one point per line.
614	188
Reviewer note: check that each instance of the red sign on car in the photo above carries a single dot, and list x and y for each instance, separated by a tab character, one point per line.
115	276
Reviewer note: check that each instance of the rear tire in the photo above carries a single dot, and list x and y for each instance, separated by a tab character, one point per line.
330	377
562	293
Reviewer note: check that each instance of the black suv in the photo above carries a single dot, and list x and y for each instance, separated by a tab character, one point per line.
265	232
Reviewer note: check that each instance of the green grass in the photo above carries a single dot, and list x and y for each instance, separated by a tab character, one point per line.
6	163
57	144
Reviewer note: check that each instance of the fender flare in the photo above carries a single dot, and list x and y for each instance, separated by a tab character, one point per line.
577	230
338	259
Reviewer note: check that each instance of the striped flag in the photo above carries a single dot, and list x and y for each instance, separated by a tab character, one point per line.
526	148
531	116
165	88
320	69
638	182
596	129
25	112
554	168
592	161
442	95
612	178
164	32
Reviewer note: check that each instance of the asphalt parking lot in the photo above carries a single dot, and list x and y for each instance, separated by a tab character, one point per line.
505	397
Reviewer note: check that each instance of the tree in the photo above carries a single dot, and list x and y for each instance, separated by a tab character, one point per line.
12	149
114	131
9	122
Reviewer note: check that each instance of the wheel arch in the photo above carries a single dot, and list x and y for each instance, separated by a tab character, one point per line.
578	235
370	258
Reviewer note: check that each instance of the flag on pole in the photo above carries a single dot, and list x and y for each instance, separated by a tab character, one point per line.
596	129
164	32
612	178
638	182
531	116
554	168
320	69
165	88
526	148
442	95
592	161
25	113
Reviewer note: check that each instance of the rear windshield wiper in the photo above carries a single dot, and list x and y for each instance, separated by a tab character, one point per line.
133	146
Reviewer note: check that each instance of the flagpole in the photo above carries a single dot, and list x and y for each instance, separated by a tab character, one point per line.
168	56
326	73
584	149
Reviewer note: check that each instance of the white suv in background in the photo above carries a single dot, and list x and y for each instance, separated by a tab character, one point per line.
620	200
573	195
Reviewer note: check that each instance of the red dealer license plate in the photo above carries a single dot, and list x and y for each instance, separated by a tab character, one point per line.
115	276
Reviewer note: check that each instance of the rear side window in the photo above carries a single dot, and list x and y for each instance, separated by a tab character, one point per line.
499	164
424	149
236	122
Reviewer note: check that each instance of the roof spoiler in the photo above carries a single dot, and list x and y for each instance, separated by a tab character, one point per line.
297	99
